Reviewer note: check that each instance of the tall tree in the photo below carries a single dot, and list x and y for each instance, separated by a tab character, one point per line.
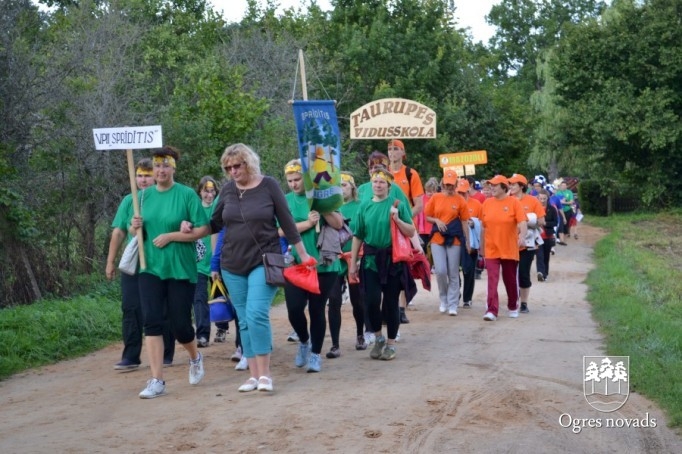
620	82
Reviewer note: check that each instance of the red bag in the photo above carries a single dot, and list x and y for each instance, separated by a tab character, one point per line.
304	276
346	256
402	246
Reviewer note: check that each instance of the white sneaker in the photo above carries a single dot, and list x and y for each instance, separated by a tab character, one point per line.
397	336
196	370
370	337
514	314
243	364
443	308
453	310
155	388
489	317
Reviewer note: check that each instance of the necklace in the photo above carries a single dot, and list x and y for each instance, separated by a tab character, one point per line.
241	192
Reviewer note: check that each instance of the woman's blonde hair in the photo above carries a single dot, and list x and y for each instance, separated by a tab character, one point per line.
243	152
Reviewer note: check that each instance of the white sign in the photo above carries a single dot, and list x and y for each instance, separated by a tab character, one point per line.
393	118
128	138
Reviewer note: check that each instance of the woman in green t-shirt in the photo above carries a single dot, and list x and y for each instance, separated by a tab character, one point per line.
297	299
168	282
382	280
208	192
349	211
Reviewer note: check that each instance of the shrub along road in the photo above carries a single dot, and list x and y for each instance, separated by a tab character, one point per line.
458	384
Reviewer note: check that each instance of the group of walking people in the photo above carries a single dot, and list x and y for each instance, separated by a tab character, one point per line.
254	217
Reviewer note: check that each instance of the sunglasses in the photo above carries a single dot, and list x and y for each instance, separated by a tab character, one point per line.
229	169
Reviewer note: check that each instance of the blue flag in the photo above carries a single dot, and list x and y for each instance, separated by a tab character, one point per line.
319	147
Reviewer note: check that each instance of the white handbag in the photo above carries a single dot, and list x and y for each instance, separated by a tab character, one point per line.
130	258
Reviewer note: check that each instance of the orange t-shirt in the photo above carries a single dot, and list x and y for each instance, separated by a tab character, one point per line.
413	188
447	208
500	219
475	208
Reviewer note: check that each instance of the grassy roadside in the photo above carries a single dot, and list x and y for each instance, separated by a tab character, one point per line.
635	291
53	330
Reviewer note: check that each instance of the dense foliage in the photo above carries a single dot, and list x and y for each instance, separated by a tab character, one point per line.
568	87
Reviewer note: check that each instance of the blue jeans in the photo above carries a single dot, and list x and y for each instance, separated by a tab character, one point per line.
252	298
202	317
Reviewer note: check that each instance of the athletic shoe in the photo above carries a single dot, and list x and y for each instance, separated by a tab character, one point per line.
249	385
126	364
467	305
302	354
397	336
334	352
237	355
453	310
167	363
370	337
202	342
220	336
265	384
403	316
489	317
524	308
443	308
155	388
196	370
378	348
388	353
314	362
360	344
541	277
514	313
243	364
293	337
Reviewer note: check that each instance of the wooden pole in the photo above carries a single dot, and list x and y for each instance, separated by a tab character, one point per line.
304	91
136	207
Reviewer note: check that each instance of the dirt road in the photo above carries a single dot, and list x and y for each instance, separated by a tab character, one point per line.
458	384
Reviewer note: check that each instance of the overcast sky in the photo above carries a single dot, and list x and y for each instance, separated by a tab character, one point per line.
470	13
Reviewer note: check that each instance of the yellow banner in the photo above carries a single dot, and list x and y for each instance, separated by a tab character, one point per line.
463	159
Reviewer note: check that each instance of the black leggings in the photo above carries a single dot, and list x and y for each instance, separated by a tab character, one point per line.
297	299
171	297
386	308
334	310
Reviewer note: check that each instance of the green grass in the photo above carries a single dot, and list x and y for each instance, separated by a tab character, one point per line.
53	330
635	291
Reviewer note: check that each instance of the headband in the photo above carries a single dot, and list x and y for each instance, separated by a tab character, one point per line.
140	172
165	159
348	178
382	174
209	185
293	168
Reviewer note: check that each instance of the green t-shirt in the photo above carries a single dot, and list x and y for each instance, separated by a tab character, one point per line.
298	205
204	266
373	226
123	215
162	212
365	193
568	196
349	211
